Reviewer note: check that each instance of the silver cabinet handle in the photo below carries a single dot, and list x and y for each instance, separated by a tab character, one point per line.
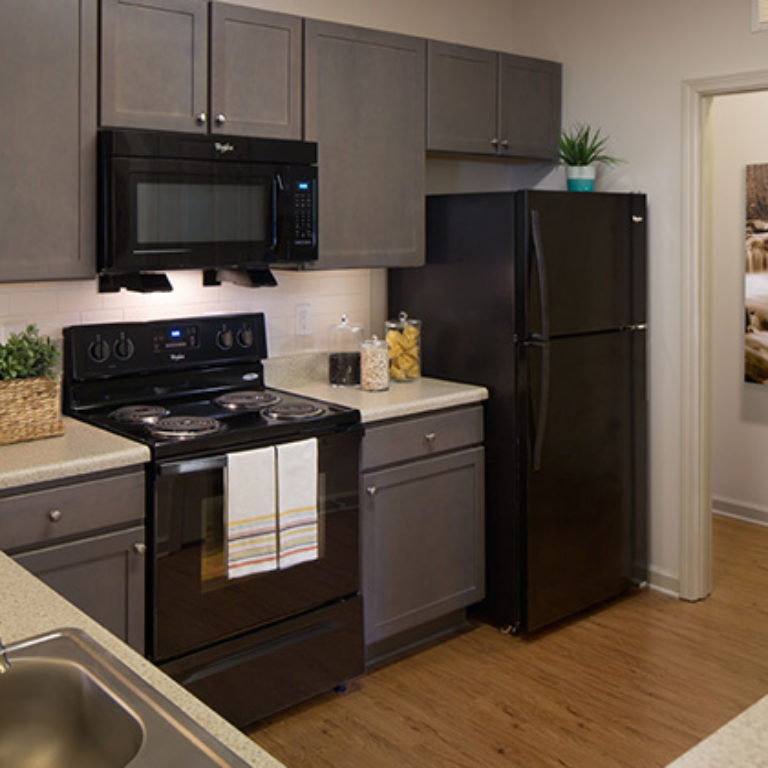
54	515
505	143
495	141
221	119
139	548
201	118
371	490
430	437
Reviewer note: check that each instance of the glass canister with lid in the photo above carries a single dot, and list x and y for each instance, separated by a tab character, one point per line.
404	341
344	355
374	365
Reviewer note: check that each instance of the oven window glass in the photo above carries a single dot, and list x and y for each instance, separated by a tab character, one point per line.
200	213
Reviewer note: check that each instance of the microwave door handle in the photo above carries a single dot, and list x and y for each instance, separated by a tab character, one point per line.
277	188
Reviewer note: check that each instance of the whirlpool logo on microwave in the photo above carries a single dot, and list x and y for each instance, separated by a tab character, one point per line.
223	148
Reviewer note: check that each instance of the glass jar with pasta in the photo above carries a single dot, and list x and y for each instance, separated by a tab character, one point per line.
404	341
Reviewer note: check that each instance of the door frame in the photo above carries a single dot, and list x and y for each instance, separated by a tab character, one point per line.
696	333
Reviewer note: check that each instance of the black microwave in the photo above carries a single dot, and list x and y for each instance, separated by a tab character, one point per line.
186	201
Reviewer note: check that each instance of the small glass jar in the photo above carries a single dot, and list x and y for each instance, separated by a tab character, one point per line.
344	354
404	341
374	365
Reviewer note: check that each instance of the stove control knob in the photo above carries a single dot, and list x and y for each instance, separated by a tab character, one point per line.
98	350
123	348
225	338
245	337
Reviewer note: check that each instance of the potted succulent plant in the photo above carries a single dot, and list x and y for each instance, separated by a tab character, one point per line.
29	388
580	148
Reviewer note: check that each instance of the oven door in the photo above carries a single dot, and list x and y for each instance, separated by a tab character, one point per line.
171	214
194	603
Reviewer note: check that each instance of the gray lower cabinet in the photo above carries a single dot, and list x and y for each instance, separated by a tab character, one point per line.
156	72
487	103
102	575
423	537
86	540
48	79
364	105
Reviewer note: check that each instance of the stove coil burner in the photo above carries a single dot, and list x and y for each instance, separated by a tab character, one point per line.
247	400
139	414
292	411
185	427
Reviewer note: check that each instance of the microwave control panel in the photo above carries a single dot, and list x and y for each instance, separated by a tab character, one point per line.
304	232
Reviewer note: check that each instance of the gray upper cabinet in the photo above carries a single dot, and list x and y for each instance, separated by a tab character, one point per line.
154	64
255	72
156	72
529	106
47	139
364	105
487	103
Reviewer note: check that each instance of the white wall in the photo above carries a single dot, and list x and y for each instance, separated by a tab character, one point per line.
737	125
624	64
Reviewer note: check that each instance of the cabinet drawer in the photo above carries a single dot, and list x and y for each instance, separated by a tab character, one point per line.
422	436
40	517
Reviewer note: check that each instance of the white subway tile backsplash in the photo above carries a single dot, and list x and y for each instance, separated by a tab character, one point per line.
53	306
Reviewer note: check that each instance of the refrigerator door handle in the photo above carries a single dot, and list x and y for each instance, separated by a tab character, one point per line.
539	254
540	427
541	341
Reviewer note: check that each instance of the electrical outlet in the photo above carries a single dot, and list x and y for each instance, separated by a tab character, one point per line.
302	319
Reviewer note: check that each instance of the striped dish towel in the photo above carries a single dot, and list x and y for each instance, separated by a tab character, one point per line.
297	502
251	519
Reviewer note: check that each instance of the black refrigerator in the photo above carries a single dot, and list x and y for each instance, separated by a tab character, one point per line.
541	297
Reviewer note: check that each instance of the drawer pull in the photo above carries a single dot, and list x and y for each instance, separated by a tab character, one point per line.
139	548
54	515
371	490
430	437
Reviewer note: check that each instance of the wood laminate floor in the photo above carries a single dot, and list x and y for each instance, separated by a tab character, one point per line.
634	684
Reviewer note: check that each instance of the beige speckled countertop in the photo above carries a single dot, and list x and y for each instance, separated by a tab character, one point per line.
28	607
308	375
740	743
82	449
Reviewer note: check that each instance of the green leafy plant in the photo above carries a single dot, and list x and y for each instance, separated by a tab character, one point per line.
28	355
580	145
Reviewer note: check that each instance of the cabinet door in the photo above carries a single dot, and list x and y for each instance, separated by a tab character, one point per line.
154	64
529	106
423	541
101	575
47	139
364	105
462	99
255	72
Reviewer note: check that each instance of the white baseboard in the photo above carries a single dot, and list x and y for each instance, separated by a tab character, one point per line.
664	582
739	510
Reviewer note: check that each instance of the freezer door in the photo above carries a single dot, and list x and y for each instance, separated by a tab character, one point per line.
583	262
578	488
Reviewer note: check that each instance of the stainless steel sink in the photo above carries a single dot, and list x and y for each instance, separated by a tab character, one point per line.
66	701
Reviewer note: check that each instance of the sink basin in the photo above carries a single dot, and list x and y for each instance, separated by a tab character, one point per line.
67	701
54	713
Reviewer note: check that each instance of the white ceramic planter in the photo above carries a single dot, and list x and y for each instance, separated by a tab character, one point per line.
580	178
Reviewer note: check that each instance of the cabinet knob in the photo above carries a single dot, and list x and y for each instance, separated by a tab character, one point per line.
371	490
201	118
430	437
139	547
221	119
505	143
495	141
54	515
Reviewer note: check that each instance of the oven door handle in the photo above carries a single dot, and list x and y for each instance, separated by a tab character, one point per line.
192	465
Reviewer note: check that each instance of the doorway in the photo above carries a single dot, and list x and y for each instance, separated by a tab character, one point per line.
697	334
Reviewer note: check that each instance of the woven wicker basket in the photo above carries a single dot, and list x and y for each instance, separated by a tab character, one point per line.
29	409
